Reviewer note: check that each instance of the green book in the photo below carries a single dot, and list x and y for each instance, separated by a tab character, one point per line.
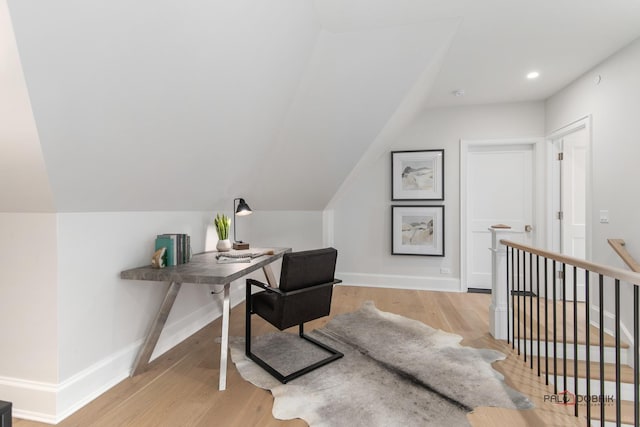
165	241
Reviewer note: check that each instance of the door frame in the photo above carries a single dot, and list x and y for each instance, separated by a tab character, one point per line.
553	237
538	146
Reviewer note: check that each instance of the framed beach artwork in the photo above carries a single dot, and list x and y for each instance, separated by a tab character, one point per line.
417	175
417	230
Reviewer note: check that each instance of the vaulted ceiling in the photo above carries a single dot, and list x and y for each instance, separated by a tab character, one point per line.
183	105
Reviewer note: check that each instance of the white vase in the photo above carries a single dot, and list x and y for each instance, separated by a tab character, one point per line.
223	245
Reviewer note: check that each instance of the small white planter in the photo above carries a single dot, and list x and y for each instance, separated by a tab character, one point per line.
223	245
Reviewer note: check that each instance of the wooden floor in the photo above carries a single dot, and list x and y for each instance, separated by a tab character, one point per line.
180	388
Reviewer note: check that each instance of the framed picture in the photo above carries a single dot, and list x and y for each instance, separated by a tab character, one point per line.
417	230
417	175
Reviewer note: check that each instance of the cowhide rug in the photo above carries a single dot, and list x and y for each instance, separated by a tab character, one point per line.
395	372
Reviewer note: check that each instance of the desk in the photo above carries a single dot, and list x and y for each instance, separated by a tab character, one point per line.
202	269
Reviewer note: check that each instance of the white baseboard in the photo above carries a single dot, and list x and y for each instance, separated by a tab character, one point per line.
88	384
400	282
52	403
31	400
33	416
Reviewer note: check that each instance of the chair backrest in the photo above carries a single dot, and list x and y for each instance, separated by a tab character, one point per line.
307	268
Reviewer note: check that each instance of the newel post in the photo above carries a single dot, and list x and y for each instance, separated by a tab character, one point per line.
499	310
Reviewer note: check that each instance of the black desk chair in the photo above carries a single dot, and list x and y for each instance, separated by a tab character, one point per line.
304	294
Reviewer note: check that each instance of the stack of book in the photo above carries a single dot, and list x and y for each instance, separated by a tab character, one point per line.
178	248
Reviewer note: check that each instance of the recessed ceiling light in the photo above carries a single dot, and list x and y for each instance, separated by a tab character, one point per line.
533	75
458	92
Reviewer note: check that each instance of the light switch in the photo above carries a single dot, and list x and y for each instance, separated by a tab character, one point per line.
604	217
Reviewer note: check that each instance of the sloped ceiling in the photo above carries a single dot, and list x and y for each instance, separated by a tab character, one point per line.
155	105
167	105
184	105
24	184
354	83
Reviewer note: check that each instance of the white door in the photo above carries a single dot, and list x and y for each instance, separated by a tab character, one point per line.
572	230
498	188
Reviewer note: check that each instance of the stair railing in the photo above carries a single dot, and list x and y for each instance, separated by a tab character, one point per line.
620	247
536	277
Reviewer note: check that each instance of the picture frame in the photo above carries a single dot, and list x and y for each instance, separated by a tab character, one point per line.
417	230
417	175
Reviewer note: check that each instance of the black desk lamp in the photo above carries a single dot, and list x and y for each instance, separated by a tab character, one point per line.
242	210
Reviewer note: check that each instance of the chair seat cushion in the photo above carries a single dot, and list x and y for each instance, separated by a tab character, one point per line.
306	283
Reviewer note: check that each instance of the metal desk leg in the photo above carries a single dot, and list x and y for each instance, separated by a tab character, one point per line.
271	278
156	328
224	342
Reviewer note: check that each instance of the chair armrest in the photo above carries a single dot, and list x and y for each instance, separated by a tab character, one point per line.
253	282
310	288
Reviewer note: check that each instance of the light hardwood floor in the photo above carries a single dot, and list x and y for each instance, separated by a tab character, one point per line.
180	387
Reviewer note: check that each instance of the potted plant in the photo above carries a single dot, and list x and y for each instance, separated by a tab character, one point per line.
222	224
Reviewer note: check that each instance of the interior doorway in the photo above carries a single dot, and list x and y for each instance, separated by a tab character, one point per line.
498	186
570	166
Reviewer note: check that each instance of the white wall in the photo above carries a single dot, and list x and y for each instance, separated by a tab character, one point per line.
362	216
103	319
100	313
299	230
614	105
28	258
74	327
28	310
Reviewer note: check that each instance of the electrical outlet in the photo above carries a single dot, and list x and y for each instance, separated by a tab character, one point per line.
444	270
604	217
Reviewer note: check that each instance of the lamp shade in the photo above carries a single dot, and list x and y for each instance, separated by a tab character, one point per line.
243	208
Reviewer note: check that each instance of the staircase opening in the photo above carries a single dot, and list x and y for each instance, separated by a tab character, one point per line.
592	368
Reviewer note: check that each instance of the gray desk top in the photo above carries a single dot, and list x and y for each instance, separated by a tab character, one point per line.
203	268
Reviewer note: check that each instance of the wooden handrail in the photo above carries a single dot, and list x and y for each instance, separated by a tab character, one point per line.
616	273
618	245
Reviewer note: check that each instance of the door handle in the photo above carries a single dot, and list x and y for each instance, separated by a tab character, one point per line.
528	228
